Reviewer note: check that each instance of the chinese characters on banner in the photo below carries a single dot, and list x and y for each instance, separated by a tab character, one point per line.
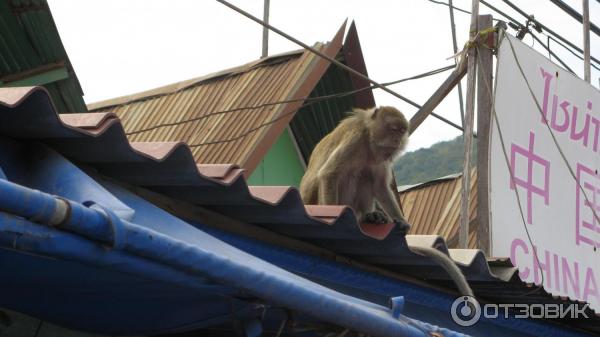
557	208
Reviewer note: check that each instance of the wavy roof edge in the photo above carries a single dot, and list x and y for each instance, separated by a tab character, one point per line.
185	84
27	113
406	188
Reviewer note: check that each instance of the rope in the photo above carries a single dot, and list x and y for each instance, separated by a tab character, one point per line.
507	161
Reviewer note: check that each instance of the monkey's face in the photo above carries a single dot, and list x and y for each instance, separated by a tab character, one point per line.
390	133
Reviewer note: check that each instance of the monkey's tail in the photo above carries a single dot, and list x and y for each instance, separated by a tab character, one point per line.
449	266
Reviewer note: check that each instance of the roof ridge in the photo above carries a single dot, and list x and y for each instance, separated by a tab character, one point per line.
186	84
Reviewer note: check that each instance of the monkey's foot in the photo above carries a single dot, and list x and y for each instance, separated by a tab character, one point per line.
402	225
376	217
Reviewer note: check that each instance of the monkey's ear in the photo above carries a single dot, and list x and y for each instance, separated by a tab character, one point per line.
375	112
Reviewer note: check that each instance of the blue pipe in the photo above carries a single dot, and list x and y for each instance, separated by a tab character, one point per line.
102	225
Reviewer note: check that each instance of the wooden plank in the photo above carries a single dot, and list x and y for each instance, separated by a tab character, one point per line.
438	96
463	237
484	114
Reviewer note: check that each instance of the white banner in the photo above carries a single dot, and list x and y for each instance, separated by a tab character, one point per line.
557	208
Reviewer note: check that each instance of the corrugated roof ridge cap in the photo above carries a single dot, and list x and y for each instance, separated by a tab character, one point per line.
407	188
87	120
12	97
185	84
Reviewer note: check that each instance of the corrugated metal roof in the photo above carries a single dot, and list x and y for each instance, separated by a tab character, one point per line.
277	78
98	141
30	45
434	208
318	119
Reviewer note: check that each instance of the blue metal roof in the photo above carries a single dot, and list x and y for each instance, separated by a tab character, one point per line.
166	251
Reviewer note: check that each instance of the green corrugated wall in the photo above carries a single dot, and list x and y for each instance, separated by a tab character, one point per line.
281	166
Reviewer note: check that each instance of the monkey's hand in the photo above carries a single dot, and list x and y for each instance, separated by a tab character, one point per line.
376	217
402	225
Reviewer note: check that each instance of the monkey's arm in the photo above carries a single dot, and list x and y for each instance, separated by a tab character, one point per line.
329	174
385	198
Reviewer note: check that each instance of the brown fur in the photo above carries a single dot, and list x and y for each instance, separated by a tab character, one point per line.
352	164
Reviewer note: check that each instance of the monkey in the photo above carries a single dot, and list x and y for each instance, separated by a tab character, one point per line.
352	165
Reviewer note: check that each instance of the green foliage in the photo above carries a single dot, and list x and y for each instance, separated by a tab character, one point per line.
441	159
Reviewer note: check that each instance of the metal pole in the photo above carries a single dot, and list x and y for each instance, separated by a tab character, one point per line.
455	46
586	41
265	35
333	60
463	237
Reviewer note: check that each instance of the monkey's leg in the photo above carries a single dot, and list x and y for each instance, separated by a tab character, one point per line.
328	190
377	217
388	202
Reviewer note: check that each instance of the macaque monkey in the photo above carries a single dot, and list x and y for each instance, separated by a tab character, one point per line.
352	165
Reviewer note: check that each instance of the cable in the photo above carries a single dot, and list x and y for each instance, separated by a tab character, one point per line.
306	99
495	9
570	50
510	172
456	8
543	27
455	49
535	38
519	26
330	59
573	13
258	127
556	144
451	6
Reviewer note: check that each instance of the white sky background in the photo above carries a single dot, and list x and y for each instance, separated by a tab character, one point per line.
120	47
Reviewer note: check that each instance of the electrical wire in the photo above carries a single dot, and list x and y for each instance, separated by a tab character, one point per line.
455	49
544	27
457	8
492	98
553	136
574	14
535	38
316	100
332	60
570	50
451	6
305	99
556	144
521	27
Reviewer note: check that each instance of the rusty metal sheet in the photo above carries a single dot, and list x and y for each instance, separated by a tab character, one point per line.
434	208
163	112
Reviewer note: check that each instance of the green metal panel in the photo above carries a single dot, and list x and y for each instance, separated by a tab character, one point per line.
29	39
44	78
314	121
281	166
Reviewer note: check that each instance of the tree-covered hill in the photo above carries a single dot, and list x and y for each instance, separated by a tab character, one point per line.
439	160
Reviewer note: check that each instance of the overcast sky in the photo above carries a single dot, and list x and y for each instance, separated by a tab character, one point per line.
119	47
